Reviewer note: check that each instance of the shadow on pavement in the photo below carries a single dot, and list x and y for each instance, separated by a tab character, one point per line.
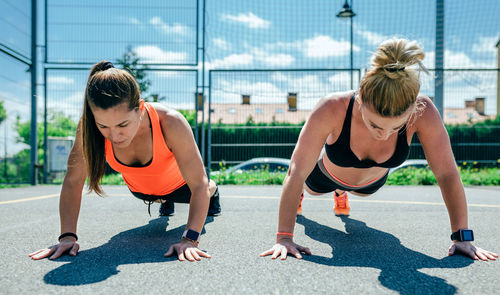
362	246
143	244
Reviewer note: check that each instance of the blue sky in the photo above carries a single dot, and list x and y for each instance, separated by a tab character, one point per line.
273	34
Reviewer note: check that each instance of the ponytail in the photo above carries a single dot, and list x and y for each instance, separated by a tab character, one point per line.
107	87
93	149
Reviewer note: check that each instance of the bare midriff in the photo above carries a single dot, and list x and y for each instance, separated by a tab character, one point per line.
354	176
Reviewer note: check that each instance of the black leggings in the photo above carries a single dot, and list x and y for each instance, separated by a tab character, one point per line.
180	195
318	182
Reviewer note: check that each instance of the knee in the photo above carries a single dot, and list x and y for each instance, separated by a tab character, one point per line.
212	186
311	192
360	194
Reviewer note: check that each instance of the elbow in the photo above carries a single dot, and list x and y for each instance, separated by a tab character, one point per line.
73	179
201	189
296	173
448	177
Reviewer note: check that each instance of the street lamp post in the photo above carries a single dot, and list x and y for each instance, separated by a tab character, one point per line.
347	12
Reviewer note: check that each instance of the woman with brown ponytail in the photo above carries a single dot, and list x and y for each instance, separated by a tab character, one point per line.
366	132
151	145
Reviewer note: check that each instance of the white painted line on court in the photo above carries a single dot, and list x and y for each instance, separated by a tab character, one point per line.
29	199
364	201
272	198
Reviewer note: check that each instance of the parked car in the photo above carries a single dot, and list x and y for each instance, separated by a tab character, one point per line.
411	163
257	164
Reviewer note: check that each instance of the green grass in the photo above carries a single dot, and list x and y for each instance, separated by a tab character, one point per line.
249	178
8	185
112	179
423	176
406	176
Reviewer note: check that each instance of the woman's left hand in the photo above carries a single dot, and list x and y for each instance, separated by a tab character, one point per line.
467	249
187	250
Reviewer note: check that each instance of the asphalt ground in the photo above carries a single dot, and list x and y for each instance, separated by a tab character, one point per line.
395	241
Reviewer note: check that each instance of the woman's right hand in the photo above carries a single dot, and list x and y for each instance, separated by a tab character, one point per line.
65	245
285	246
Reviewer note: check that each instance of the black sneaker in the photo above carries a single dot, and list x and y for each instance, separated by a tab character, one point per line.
214	208
167	208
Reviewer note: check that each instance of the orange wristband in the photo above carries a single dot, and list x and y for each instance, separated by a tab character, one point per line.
282	233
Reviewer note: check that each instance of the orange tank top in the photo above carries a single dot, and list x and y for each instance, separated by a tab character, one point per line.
161	176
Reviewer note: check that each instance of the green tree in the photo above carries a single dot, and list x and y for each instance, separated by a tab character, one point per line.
58	124
132	63
3	113
189	115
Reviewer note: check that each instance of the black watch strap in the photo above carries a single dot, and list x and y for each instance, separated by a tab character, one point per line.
463	235
68	234
191	235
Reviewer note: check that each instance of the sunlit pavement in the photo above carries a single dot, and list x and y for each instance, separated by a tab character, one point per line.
393	242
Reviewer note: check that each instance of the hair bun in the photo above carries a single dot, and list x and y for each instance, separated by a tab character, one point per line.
394	69
104	65
101	66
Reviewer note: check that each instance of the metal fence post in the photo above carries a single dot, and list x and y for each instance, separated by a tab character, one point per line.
439	60
33	128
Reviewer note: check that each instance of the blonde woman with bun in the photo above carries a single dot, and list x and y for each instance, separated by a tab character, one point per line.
364	133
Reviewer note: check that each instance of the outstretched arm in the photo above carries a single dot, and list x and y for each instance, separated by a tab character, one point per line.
180	140
437	148
311	139
69	203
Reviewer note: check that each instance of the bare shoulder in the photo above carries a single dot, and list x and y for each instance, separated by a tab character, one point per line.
168	116
333	105
427	114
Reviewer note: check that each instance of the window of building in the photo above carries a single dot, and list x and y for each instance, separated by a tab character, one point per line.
232	111
279	111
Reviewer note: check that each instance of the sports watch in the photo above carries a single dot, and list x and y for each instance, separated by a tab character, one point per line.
463	235
191	235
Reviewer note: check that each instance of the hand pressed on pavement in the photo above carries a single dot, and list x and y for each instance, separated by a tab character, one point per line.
285	246
187	250
67	244
467	249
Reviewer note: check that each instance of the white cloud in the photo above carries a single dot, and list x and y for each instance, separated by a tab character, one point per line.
178	29
70	105
134	21
272	59
372	37
342	80
454	59
279	77
485	45
325	46
249	19
230	91
282	45
154	54
166	74
277	59
231	61
60	80
305	84
221	43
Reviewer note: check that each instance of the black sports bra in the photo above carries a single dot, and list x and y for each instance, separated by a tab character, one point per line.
340	152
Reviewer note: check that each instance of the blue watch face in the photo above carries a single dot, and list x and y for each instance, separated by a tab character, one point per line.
467	235
192	235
